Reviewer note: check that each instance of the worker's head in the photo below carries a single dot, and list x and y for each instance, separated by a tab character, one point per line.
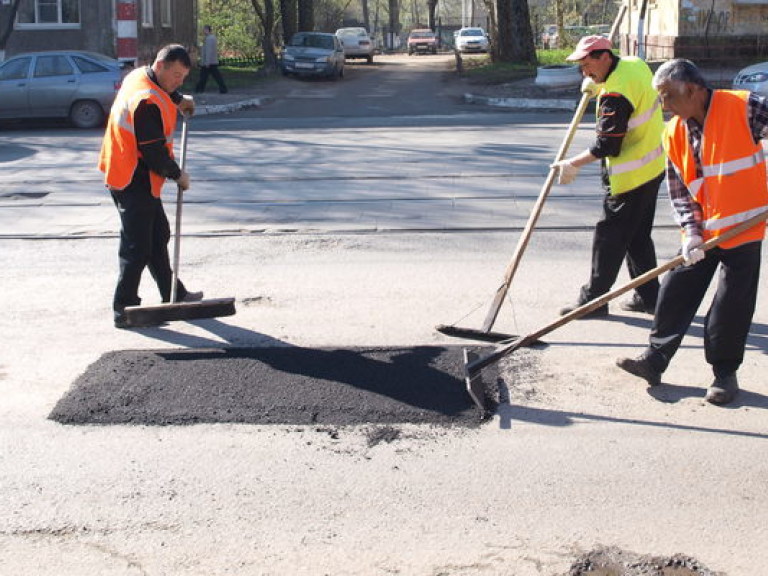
594	56
207	29
681	87
171	67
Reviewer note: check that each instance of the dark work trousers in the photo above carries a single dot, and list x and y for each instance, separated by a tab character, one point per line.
624	232
144	236
726	324
213	70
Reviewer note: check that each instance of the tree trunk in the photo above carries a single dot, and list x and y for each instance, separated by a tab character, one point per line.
267	18
288	11
306	15
367	17
394	22
514	38
431	10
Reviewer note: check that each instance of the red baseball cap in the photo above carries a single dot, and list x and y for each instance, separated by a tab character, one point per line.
589	44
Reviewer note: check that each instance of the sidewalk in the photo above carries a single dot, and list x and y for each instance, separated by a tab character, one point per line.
519	94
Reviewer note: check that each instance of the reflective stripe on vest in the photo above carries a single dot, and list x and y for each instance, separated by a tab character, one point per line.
641	158
732	187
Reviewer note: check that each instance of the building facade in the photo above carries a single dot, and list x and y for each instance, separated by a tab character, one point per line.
129	30
702	30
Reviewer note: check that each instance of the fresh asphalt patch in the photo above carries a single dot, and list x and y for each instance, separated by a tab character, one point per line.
275	385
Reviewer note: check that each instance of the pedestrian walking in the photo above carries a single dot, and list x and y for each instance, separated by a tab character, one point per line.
209	62
716	177
628	145
136	158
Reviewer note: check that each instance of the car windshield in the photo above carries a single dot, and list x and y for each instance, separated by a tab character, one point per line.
422	34
352	32
312	41
472	32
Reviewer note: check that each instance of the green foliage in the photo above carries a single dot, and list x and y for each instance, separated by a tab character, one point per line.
236	27
236	76
554	56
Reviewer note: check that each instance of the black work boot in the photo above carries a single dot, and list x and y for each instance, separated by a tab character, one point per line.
723	390
600	312
636	304
640	367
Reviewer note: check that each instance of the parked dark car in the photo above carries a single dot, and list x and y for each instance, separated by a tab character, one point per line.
313	54
80	86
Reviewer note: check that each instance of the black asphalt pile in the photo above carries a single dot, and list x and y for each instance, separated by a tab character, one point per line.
616	562
281	385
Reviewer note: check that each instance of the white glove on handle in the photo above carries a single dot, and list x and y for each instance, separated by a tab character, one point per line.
692	252
588	86
566	171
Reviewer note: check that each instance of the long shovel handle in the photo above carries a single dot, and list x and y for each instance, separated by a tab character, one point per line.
522	242
505	348
179	204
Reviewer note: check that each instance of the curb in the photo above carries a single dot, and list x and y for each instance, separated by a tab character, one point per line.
524	103
205	109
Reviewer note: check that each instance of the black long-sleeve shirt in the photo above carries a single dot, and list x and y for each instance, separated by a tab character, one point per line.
148	127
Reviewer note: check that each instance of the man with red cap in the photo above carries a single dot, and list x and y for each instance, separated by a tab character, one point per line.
628	145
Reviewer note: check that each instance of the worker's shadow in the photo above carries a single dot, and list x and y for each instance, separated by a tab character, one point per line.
227	335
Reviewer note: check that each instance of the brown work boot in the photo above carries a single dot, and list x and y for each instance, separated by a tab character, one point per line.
640	367
723	390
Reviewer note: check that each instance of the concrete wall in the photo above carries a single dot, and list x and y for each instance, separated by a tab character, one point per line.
722	30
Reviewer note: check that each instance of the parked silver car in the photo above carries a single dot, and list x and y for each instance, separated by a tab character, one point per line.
313	54
71	84
356	42
471	40
753	78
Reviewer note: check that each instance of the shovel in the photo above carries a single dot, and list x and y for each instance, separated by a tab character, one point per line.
474	364
485	333
138	316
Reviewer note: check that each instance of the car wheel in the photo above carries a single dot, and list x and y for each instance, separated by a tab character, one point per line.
86	114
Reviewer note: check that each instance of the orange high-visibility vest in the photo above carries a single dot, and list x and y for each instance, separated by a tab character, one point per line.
120	154
733	186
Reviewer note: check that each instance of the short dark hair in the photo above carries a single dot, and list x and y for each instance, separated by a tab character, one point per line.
174	53
595	54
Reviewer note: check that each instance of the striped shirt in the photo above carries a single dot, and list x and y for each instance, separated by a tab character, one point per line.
687	211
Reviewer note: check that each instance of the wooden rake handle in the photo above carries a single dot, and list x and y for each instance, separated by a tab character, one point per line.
504	348
522	242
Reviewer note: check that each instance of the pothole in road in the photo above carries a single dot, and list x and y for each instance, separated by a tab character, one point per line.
616	562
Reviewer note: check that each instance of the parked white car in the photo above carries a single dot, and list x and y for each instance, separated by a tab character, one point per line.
753	78
357	43
471	40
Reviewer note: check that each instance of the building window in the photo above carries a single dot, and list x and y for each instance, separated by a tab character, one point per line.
146	13
48	14
165	13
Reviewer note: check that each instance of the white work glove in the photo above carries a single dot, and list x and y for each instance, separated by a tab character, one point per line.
566	171
588	86
692	251
187	105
